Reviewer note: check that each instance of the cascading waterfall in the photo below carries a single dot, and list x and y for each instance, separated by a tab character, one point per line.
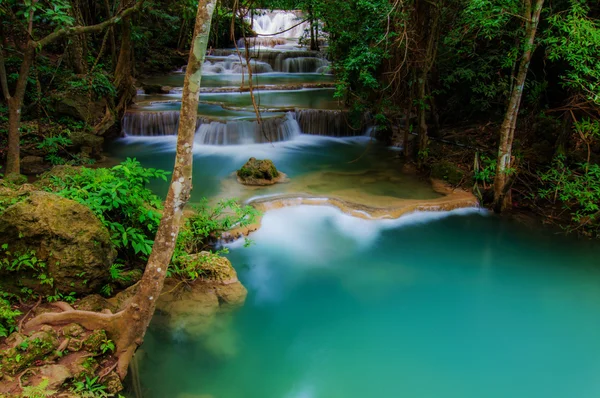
243	132
280	23
150	123
292	61
211	132
303	64
232	64
332	123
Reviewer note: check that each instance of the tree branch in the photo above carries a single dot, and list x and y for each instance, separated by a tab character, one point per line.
80	30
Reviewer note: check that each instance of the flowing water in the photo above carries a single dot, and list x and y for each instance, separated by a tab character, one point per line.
457	304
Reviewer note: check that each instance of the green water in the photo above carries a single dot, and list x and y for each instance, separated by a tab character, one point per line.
210	110
321	98
315	165
457	305
434	305
235	80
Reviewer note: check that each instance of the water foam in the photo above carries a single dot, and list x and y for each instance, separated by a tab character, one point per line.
302	229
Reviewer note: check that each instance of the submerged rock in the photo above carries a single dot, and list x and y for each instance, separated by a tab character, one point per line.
66	236
259	172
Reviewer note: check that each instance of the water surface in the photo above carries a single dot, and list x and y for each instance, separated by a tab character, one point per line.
458	304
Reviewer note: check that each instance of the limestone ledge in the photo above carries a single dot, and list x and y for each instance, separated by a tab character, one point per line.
453	198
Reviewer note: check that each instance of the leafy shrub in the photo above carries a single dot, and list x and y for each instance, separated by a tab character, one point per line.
96	82
201	231
578	189
121	200
208	223
8	316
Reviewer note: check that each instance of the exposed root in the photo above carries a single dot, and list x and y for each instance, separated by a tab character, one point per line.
29	312
87	319
113	324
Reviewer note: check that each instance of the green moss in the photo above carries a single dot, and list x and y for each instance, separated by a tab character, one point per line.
256	169
447	171
93	342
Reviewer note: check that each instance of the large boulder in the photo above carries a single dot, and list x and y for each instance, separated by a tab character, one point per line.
259	172
88	144
65	235
32	165
192	307
79	107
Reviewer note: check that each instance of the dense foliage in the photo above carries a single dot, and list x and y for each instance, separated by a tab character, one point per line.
119	196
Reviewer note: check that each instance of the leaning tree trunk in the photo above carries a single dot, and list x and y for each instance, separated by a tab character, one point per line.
507	130
128	327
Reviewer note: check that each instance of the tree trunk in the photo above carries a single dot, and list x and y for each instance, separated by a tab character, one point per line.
124	69
78	46
128	327
409	106
507	130
15	105
429	35
422	116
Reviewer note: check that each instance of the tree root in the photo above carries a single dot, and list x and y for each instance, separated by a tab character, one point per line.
115	326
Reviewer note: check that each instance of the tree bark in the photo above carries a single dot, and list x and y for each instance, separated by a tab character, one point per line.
429	34
507	130
15	105
78	46
128	327
124	69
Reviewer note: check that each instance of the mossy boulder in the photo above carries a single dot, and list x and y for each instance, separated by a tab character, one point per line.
65	235
61	172
89	145
21	355
79	107
447	171
94	340
193	306
33	165
259	172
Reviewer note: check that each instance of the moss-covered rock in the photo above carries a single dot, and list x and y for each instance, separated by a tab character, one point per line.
15	179
447	171
95	303
33	165
79	106
86	143
32	348
193	306
61	171
94	340
65	235
259	172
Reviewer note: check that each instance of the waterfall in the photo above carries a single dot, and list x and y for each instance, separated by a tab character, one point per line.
241	132
303	65
150	123
211	132
270	23
231	64
333	123
293	61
